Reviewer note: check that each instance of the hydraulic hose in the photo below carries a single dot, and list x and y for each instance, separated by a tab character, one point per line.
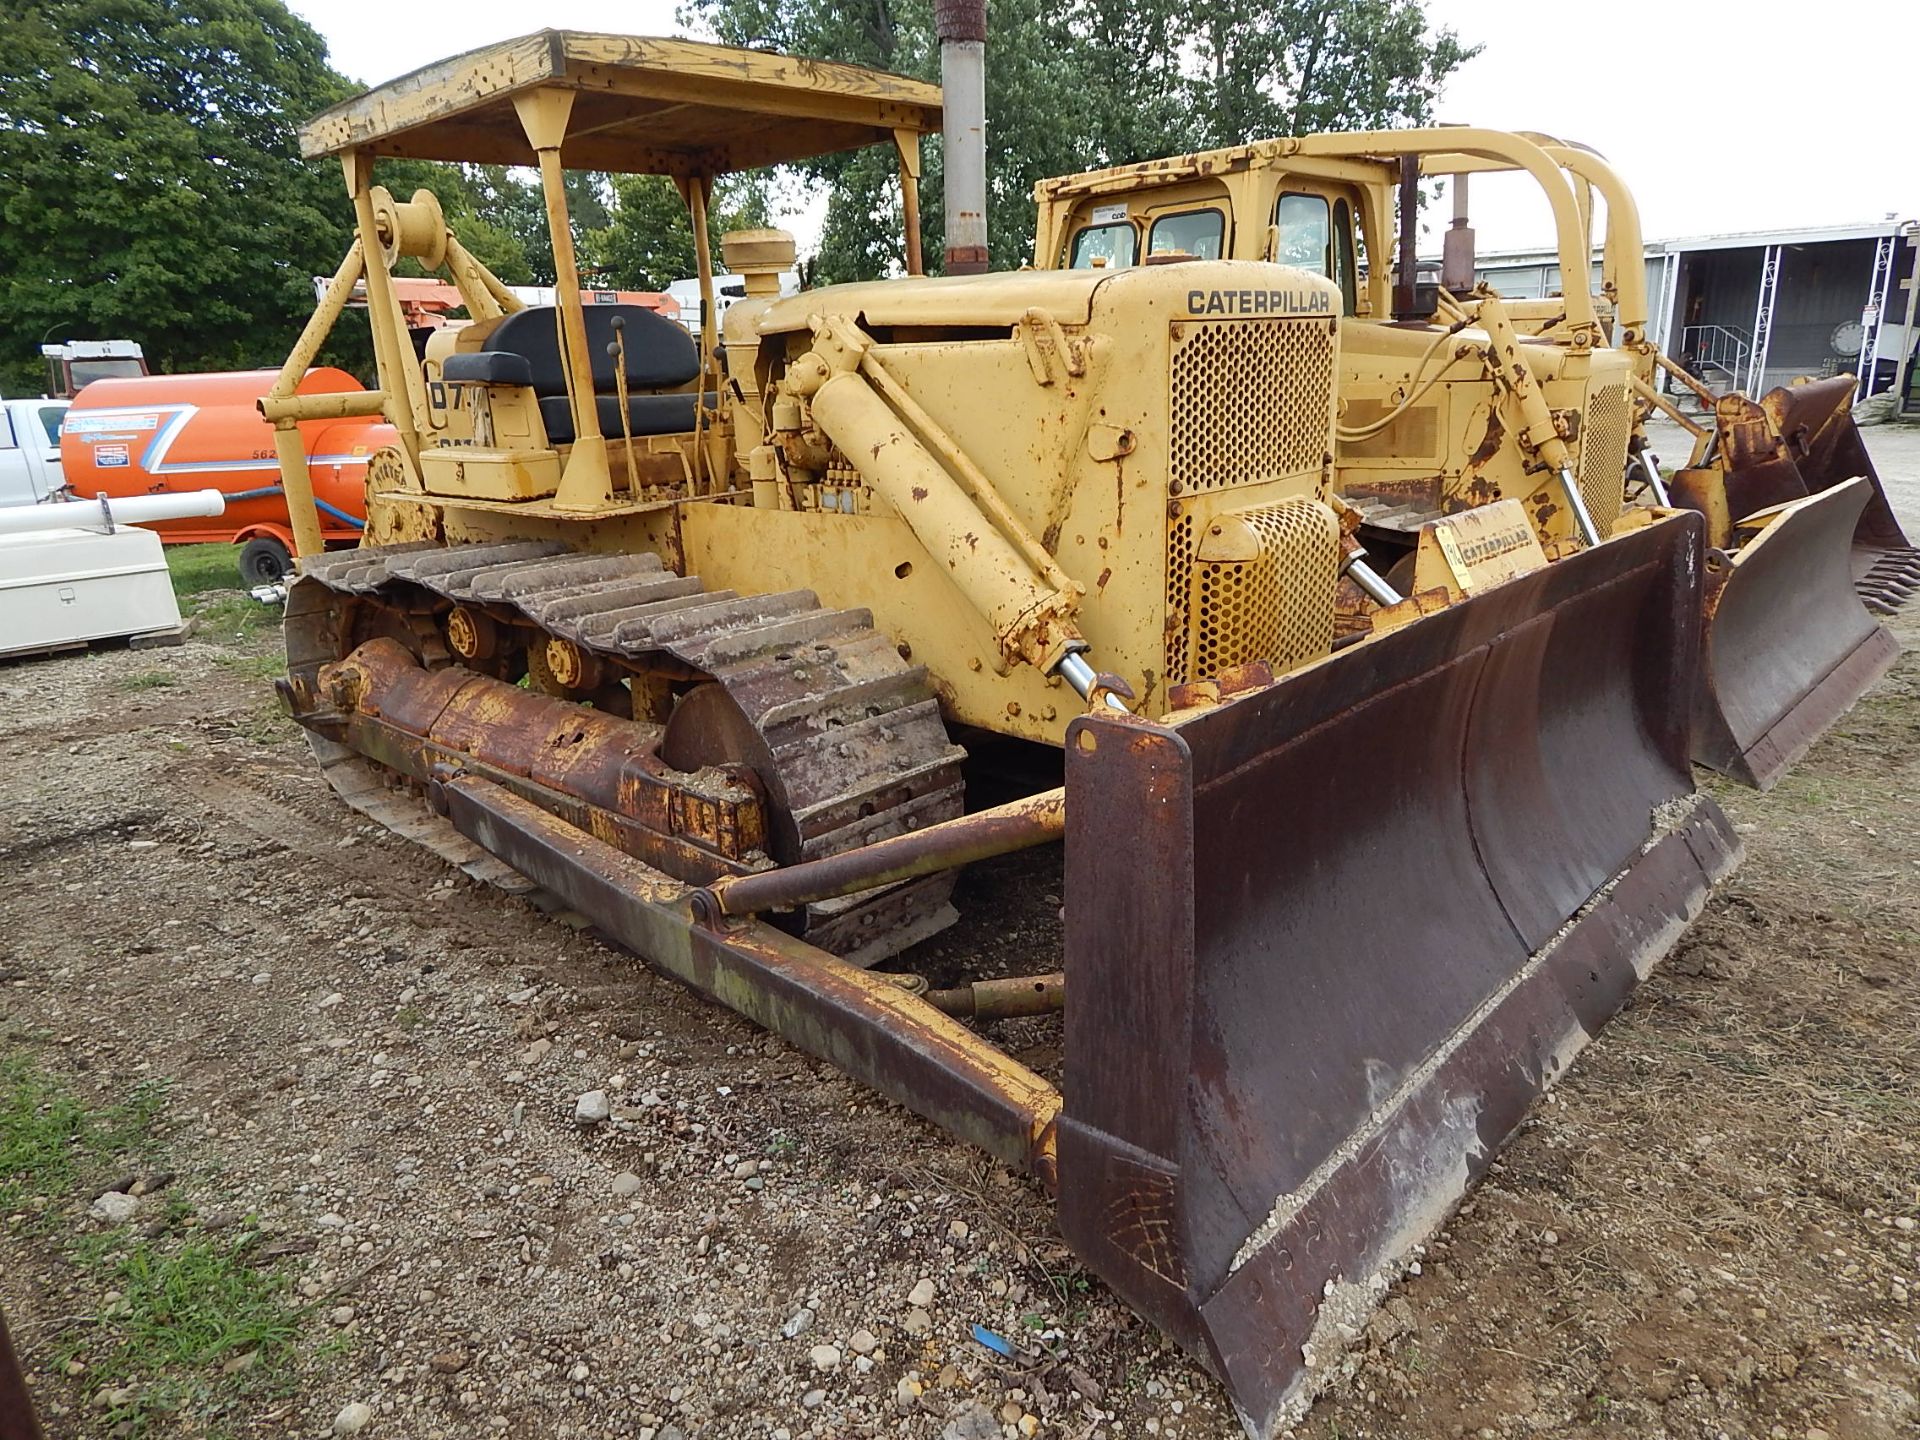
1375	427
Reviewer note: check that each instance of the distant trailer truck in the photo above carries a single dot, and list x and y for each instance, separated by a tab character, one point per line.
72	365
154	434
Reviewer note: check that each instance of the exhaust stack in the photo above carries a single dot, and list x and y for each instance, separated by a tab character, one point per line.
962	28
1456	256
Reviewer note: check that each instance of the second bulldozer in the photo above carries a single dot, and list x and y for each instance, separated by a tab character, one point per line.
1448	401
688	638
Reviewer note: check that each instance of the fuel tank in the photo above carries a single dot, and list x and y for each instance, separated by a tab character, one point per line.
151	434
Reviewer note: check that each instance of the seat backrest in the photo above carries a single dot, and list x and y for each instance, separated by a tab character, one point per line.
660	354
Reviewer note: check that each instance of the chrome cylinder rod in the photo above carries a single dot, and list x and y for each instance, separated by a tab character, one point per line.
1372	582
1079	674
1582	517
1656	482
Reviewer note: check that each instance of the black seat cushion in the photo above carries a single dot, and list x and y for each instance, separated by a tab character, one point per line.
487	367
660	354
646	414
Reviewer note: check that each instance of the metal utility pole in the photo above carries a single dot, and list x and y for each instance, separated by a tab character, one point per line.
962	28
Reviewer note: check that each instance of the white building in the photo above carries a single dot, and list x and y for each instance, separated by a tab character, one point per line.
1756	309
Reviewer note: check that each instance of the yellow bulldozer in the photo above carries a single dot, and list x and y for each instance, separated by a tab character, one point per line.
1451	397
687	637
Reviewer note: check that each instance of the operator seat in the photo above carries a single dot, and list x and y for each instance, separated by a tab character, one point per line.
524	349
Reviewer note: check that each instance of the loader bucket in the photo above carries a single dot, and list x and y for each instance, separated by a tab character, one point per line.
1362	917
1788	646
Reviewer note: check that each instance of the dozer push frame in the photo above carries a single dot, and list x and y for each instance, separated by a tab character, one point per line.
681	638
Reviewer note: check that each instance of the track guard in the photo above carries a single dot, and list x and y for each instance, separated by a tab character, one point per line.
1320	951
1788	646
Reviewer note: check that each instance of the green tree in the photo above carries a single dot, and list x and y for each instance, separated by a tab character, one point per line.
1305	66
510	201
513	206
862	234
647	242
150	180
1081	84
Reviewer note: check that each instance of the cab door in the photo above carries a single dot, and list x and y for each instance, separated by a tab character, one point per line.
1314	230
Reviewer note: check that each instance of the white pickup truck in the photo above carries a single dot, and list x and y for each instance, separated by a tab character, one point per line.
30	450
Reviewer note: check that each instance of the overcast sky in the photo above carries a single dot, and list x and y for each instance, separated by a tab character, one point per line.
1720	116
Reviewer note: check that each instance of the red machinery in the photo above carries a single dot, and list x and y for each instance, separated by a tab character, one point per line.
152	434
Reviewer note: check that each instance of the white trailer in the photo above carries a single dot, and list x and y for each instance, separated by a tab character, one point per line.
72	572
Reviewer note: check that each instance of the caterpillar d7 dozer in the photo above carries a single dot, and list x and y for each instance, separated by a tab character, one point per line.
682	637
1450	400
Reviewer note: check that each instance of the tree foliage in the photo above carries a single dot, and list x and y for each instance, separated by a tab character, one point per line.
1079	84
647	242
150	183
151	186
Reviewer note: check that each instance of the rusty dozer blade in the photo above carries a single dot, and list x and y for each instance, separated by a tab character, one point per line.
1815	421
1788	645
1328	940
1802	440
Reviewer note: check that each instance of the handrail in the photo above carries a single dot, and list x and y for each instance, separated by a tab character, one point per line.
1623	257
1725	347
1507	151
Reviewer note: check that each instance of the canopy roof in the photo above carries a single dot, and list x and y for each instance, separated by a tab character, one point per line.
641	105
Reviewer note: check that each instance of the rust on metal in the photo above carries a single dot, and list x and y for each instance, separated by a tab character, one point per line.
1818	432
1279	1074
1018	825
17	1418
1802	546
599	770
1003	999
1788	646
862	1022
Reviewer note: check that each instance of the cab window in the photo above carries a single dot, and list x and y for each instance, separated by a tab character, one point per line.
1301	232
1109	245
50	418
1346	268
1198	233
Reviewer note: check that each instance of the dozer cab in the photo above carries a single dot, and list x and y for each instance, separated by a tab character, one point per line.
1450	400
683	637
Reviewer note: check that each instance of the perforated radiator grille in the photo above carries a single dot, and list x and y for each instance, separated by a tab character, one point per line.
1274	605
1249	401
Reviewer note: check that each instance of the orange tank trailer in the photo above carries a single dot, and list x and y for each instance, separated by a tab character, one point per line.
151	434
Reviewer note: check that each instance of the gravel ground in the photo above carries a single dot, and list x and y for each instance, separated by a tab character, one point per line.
1708	1230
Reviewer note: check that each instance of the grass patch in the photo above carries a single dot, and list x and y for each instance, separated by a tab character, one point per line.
233	615
49	1140
267	724
196	569
147	680
270	666
196	1328
189	1327
206	581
